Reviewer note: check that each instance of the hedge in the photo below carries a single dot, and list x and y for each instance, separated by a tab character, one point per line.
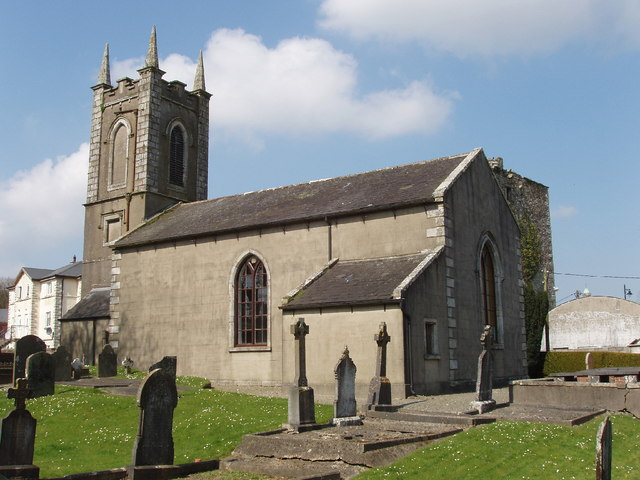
555	362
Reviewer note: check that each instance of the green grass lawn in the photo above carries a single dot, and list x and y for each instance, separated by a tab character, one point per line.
521	450
82	429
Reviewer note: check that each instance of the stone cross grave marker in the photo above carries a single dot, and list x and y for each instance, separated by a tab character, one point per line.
157	398
380	387
168	364
62	362
107	362
345	407
301	402
41	374
18	434
603	450
25	346
484	384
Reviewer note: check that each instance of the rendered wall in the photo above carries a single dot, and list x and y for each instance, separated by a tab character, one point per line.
426	301
333	329
178	299
475	207
594	322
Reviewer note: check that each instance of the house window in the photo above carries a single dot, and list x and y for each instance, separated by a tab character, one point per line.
251	304
49	288
176	157
19	293
48	319
430	338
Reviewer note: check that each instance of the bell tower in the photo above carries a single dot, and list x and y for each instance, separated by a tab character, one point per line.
149	150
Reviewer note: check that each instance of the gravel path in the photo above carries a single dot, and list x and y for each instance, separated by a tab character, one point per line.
451	403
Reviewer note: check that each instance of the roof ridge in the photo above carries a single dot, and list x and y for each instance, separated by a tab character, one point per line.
338	178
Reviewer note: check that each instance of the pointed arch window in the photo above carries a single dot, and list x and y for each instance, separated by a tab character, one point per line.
488	279
176	157
251	304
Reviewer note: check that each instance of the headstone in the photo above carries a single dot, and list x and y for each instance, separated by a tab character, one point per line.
157	398
62	362
25	346
168	364
18	434
603	450
301	403
484	384
79	369
107	362
344	406
588	361
380	386
127	363
41	374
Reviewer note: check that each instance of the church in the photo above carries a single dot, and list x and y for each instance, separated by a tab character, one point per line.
429	248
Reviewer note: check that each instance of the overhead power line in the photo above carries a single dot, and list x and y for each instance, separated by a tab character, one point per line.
596	276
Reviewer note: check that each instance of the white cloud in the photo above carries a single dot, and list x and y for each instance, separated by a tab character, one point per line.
564	211
42	210
301	86
488	27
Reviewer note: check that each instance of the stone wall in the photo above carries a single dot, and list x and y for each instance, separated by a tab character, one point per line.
529	200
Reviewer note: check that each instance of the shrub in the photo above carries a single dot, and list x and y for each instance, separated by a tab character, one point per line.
556	362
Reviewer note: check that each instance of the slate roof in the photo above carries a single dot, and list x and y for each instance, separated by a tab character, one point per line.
361	282
401	186
73	270
38	273
94	305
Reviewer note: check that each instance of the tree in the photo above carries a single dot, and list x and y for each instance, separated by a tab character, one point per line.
5	283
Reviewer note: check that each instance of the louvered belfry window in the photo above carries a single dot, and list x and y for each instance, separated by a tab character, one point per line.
251	304
176	157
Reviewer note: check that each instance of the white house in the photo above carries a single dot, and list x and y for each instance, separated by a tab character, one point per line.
39	297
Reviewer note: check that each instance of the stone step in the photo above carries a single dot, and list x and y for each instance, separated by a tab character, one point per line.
462	419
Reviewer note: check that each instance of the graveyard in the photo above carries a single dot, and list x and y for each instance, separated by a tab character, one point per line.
62	419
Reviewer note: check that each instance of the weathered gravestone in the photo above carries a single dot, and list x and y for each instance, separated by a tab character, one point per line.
157	398
127	363
484	384
79	369
17	437
301	407
167	364
344	406
380	386
25	346
107	362
62	362
41	374
603	450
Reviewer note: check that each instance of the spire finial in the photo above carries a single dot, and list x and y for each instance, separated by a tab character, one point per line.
198	82
152	53
104	77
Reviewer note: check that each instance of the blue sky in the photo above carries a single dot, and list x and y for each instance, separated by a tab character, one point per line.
314	89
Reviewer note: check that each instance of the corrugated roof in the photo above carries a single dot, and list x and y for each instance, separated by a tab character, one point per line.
393	187
358	282
94	305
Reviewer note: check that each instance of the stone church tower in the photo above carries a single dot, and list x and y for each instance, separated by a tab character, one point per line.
149	151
